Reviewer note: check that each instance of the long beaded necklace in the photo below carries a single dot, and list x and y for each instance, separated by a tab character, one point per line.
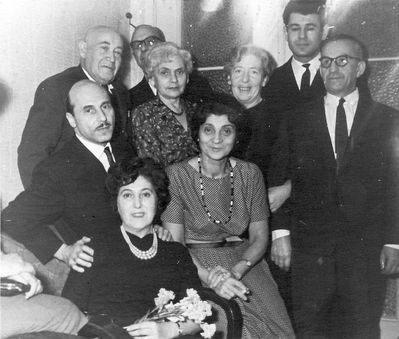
216	221
142	255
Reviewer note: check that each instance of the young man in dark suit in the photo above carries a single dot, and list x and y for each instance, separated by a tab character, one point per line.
344	166
47	129
299	80
145	36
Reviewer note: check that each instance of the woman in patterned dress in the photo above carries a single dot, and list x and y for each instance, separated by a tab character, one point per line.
161	127
214	199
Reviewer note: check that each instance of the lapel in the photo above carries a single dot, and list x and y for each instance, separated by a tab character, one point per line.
85	157
290	78
364	112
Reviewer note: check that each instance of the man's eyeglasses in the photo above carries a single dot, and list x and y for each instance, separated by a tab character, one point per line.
147	42
340	61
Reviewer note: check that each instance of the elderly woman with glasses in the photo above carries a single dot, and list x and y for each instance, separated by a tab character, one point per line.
161	127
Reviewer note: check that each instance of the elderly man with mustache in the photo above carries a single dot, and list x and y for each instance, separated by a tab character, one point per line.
47	129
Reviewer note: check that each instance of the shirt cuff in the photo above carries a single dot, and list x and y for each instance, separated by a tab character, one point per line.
279	233
393	246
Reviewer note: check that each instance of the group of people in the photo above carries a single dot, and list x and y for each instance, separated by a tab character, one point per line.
301	149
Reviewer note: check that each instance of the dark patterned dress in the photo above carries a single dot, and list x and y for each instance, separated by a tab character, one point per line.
159	135
264	315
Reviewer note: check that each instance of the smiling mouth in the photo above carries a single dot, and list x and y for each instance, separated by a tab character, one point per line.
244	89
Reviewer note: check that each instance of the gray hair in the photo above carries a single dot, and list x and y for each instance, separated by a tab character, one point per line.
163	52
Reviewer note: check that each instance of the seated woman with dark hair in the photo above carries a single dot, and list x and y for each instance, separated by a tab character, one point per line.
130	263
215	198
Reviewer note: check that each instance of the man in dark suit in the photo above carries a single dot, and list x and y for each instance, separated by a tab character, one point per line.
145	36
68	187
344	167
299	78
297	81
47	129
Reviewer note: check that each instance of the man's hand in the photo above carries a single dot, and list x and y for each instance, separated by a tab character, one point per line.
29	279
163	233
389	259
78	256
281	252
278	195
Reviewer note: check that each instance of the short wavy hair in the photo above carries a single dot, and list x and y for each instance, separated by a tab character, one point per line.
163	52
128	170
267	61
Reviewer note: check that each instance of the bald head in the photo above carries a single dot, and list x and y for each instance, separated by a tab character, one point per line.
89	112
101	53
143	38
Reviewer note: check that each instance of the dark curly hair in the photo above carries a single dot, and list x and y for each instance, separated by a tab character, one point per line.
128	170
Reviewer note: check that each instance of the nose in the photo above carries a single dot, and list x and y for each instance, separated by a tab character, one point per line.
218	138
245	77
302	33
137	202
173	77
333	67
101	115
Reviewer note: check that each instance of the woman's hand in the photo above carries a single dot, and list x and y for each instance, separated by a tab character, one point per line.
278	195
153	330
78	256
216	275
230	288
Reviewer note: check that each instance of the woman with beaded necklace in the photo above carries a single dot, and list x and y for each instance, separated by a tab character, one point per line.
130	263
214	199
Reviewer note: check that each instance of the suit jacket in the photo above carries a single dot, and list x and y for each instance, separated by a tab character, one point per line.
197	90
283	93
47	129
67	187
357	205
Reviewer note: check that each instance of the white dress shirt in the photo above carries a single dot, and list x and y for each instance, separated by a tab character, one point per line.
98	151
298	69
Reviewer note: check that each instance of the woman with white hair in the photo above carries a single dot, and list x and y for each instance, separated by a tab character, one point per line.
161	126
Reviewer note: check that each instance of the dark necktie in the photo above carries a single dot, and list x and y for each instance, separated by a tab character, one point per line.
341	132
305	82
109	156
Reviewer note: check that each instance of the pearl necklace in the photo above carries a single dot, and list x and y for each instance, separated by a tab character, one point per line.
216	221
142	255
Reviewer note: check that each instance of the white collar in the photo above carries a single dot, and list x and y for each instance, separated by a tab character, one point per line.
314	64
351	99
96	149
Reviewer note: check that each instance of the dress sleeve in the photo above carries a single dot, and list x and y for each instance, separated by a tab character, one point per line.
174	213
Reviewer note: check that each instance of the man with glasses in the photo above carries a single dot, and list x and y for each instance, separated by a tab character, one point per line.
47	129
344	167
143	38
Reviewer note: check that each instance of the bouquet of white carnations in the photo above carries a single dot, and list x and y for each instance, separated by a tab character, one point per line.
188	308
